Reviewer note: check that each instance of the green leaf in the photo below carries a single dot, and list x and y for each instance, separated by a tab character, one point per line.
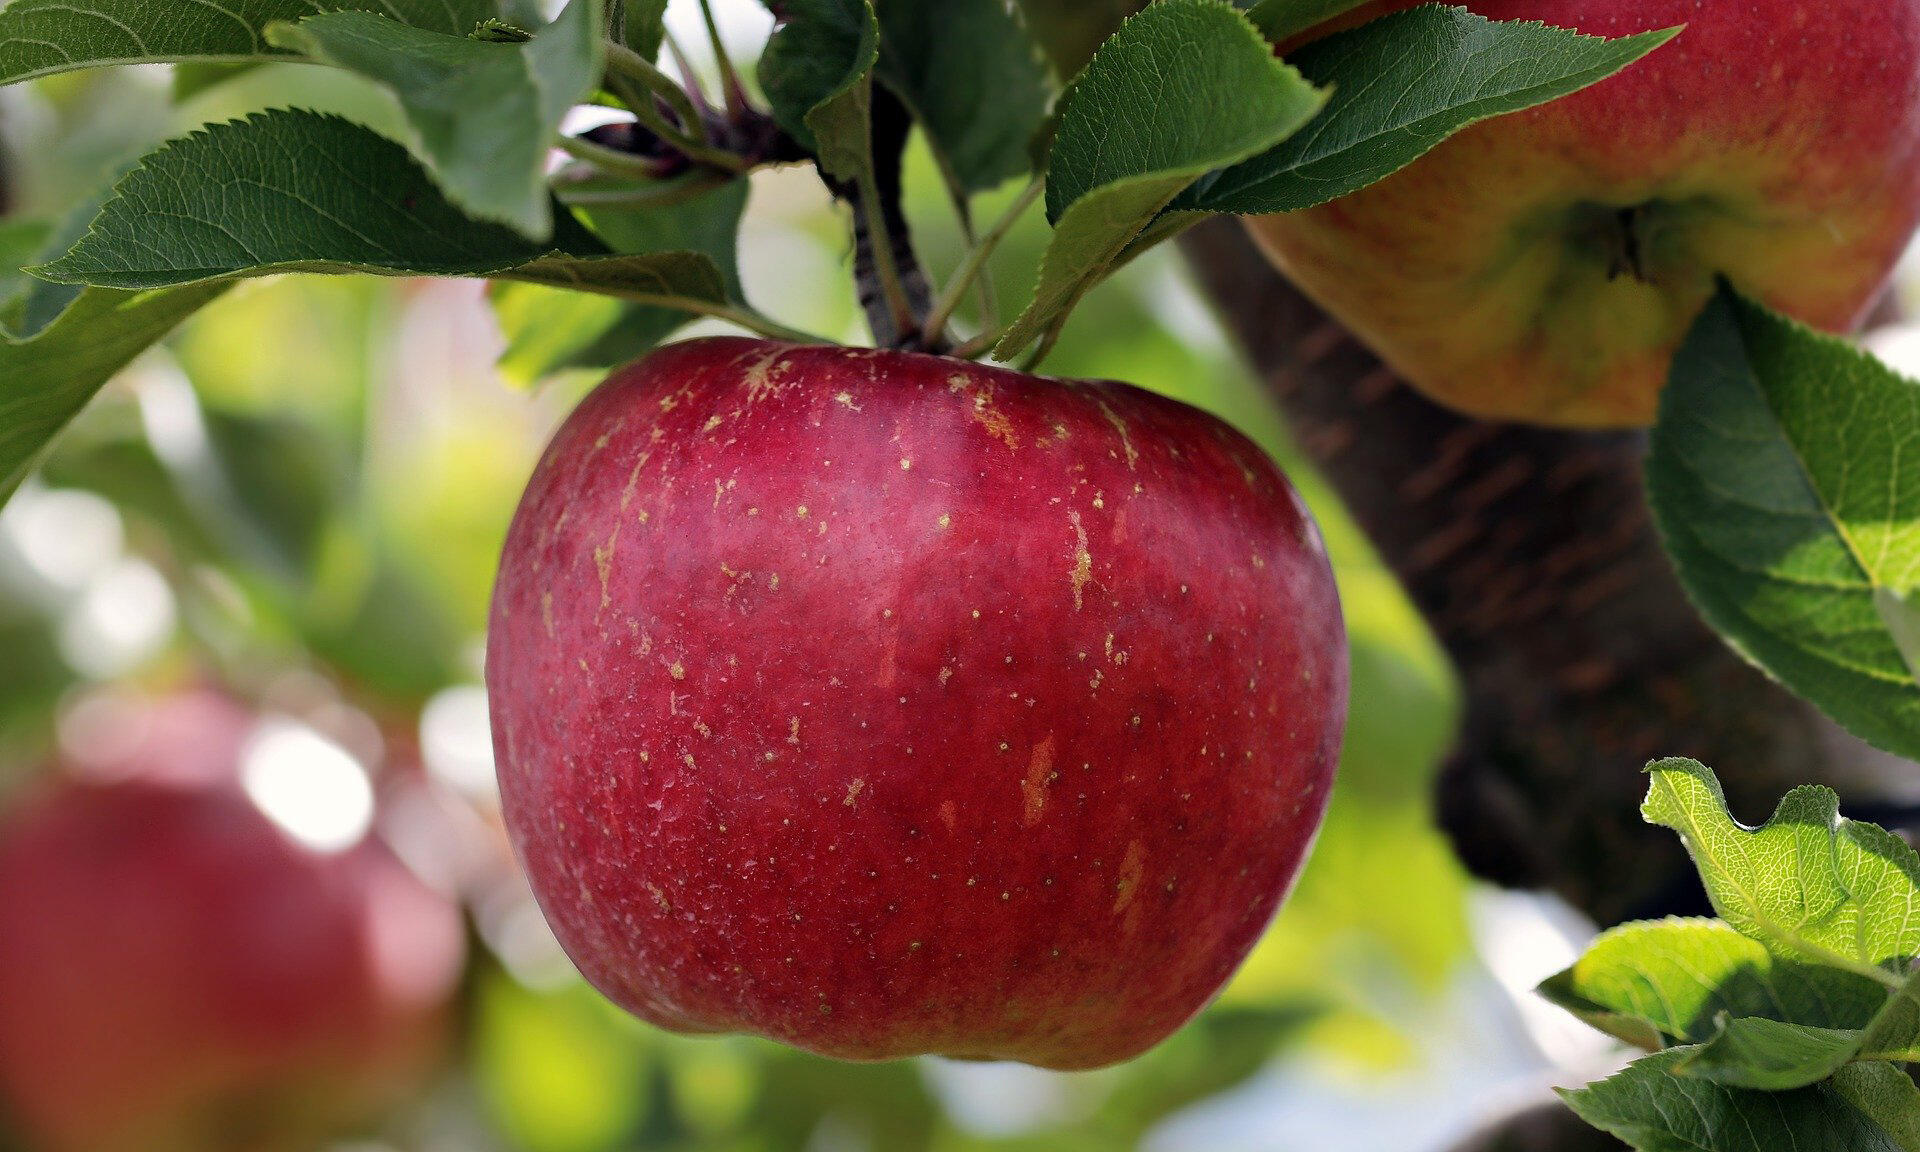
1179	83
1280	20
818	75
1654	983
294	191
42	37
1072	30
38	303
192	78
974	79
1773	1055
549	329
1887	1096
1402	84
1779	478
1808	884
643	26
1769	1055
21	243
1184	87
1655	1110
483	115
45	381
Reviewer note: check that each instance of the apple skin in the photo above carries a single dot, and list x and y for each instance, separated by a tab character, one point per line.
887	704
178	975
1775	142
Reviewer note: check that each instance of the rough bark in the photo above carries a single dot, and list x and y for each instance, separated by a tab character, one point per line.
1533	557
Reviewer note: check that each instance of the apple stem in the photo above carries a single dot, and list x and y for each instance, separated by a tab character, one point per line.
979	257
736	314
894	292
1628	257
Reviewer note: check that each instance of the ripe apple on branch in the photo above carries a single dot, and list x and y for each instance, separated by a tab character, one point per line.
886	704
1545	266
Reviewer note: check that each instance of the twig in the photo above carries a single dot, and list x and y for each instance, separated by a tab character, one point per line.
977	259
894	291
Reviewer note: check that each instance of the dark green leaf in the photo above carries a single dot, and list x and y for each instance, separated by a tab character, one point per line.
974	79
192	78
818	74
549	329
22	242
643	26
1184	87
45	381
41	37
1770	1056
1655	1110
1775	1056
1402	84
295	191
1072	30
1280	20
38	302
483	115
1780	478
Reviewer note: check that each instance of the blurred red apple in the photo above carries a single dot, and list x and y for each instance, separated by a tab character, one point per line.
179	974
888	704
1544	266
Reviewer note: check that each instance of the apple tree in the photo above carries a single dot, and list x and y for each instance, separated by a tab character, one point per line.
903	700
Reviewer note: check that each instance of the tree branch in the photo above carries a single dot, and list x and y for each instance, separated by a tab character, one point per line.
1532	555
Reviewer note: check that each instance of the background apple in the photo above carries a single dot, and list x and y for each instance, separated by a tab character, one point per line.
1543	266
178	974
887	704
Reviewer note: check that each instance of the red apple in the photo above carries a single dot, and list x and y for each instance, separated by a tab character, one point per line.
178	975
1544	266
888	704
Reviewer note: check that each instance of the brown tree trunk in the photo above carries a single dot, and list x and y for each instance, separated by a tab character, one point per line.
1533	556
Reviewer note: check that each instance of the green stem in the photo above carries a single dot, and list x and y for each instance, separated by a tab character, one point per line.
657	192
1043	349
977	260
694	88
607	159
975	348
731	89
740	315
627	62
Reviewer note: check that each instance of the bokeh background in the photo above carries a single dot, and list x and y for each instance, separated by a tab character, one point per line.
299	499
